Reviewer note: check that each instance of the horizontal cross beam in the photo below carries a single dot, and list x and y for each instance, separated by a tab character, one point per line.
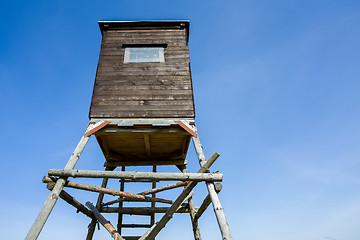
87	187
197	177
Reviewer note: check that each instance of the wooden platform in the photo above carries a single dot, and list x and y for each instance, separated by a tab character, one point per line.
141	142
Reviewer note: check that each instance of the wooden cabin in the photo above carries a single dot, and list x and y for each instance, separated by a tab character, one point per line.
142	86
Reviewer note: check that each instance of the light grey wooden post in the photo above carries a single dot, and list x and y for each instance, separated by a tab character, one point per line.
54	195
218	209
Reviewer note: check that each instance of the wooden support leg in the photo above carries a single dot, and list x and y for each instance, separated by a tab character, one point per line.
92	225
54	195
151	234
120	216
153	195
218	209
194	221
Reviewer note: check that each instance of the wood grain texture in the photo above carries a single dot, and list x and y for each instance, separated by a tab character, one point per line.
146	90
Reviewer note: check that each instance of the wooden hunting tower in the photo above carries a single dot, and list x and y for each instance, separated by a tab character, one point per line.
142	114
144	73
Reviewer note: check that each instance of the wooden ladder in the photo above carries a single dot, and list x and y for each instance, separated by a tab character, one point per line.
120	224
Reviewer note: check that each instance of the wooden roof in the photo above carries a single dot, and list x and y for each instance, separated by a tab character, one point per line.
176	24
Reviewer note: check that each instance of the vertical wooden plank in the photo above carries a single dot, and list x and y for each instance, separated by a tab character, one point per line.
218	209
147	145
54	194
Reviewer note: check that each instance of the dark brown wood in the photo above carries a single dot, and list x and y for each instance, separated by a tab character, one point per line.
130	146
107	225
120	87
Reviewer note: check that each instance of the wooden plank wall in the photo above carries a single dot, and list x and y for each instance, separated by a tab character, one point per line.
143	90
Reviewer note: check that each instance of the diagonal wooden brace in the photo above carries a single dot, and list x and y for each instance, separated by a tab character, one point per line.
72	201
187	127
107	225
96	127
92	188
151	191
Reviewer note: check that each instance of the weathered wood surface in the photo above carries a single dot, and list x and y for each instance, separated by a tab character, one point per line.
200	176
107	225
54	195
124	90
92	225
135	226
71	200
218	209
194	221
129	122
127	144
97	126
207	202
186	126
102	190
122	189
152	233
145	163
151	191
153	204
141	210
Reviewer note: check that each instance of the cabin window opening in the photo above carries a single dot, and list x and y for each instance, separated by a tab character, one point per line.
144	54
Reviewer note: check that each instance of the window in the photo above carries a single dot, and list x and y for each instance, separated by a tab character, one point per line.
144	54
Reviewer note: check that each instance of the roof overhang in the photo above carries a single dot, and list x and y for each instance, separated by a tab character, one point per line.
113	25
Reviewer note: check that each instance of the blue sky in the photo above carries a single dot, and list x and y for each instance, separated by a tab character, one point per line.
276	87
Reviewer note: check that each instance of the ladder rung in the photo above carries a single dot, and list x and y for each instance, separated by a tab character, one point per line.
131	237
139	180
136	225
